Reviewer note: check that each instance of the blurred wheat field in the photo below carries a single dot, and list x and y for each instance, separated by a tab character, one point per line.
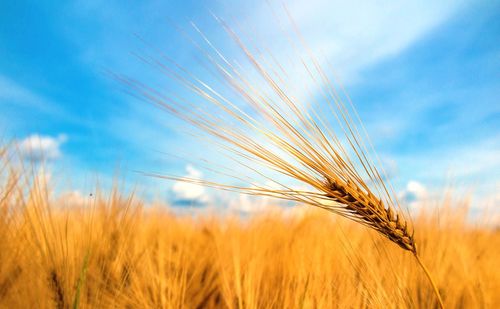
115	252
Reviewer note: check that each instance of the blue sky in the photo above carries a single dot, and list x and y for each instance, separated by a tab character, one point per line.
425	78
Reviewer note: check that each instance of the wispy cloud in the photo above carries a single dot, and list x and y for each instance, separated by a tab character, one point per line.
345	36
12	92
476	161
19	100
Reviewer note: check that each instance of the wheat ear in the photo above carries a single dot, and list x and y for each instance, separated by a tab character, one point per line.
275	133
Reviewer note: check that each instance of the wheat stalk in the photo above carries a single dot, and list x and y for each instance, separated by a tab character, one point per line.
284	137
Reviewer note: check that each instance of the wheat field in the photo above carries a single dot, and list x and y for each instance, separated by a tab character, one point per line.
114	251
347	241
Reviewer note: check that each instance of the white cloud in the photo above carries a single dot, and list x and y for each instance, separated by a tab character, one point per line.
414	195
249	204
415	190
481	202
189	193
72	198
246	203
38	147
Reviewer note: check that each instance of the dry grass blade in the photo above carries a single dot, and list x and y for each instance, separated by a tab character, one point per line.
274	132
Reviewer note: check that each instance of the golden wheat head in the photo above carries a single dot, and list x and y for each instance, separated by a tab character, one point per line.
276	132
